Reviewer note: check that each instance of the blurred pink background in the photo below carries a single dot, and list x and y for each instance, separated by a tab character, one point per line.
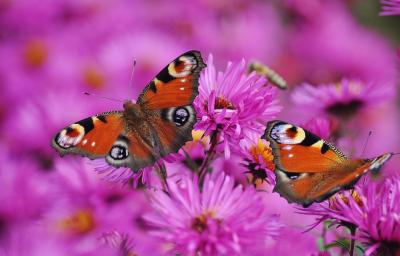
53	51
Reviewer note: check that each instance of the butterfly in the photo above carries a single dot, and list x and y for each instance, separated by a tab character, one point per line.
160	122
309	169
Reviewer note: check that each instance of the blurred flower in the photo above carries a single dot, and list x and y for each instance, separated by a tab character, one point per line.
25	192
146	176
292	240
343	99
233	103
121	242
390	7
372	207
219	220
320	126
88	207
365	55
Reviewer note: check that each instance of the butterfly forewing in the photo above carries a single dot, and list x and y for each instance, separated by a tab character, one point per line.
176	85
297	150
92	137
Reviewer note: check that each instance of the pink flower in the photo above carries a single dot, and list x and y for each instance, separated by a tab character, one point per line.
257	157
343	99
88	207
390	7
233	103
373	208
219	220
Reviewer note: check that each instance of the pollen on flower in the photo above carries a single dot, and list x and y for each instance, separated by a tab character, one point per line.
221	103
333	201
35	53
200	223
198	136
93	77
262	154
82	221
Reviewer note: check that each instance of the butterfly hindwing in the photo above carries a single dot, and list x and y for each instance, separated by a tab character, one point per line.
308	169
130	150
173	127
176	85
92	137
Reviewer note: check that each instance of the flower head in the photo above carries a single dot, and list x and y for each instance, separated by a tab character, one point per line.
390	7
373	208
219	220
233	103
343	99
258	159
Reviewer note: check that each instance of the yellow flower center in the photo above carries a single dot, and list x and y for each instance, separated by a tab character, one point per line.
93	77
35	53
200	222
222	103
82	221
262	149
333	201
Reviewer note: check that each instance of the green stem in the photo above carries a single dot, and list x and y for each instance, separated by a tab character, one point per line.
210	155
353	230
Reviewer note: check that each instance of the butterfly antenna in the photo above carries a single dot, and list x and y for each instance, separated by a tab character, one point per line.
366	142
133	72
102	97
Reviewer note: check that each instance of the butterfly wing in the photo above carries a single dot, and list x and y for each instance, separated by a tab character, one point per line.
307	188
167	103
297	150
176	85
105	136
173	127
92	137
308	169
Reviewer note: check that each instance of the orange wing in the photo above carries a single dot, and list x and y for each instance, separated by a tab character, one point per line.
297	150
308	169
173	127
92	137
176	85
306	188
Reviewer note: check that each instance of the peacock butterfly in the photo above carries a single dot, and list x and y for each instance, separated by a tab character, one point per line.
309	169
160	122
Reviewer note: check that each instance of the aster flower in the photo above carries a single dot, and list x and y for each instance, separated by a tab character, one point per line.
219	220
390	7
343	99
257	157
233	103
373	209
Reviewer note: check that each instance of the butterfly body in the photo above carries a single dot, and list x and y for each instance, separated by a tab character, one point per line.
309	169
159	123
